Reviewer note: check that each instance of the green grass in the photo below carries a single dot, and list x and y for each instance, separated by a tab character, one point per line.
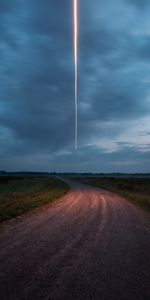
21	194
137	190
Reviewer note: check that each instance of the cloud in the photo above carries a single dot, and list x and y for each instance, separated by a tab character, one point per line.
37	77
139	3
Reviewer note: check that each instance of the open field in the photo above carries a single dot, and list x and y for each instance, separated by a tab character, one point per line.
21	194
136	190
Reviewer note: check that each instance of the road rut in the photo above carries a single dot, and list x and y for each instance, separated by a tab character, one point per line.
90	244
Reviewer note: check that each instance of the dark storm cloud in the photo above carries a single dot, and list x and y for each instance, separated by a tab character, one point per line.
139	3
7	5
144	50
37	91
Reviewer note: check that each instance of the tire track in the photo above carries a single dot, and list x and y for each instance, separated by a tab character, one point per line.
89	245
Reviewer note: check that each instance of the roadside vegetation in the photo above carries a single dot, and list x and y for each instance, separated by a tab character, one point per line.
137	190
21	194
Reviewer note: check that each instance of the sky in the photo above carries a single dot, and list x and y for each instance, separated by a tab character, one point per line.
37	86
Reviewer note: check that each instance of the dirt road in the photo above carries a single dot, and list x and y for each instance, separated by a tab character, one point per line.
89	245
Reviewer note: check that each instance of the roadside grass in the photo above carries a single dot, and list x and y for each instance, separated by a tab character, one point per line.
21	194
137	190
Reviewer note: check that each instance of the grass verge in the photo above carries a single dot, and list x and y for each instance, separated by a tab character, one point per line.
137	190
21	194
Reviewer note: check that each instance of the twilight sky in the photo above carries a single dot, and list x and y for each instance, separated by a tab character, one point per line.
37	86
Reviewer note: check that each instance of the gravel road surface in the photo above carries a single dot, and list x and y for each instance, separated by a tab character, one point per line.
90	244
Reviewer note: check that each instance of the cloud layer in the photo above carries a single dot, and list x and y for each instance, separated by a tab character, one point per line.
37	85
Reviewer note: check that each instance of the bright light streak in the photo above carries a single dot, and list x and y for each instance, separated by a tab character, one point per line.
76	68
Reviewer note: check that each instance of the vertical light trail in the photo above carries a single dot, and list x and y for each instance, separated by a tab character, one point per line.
76	68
